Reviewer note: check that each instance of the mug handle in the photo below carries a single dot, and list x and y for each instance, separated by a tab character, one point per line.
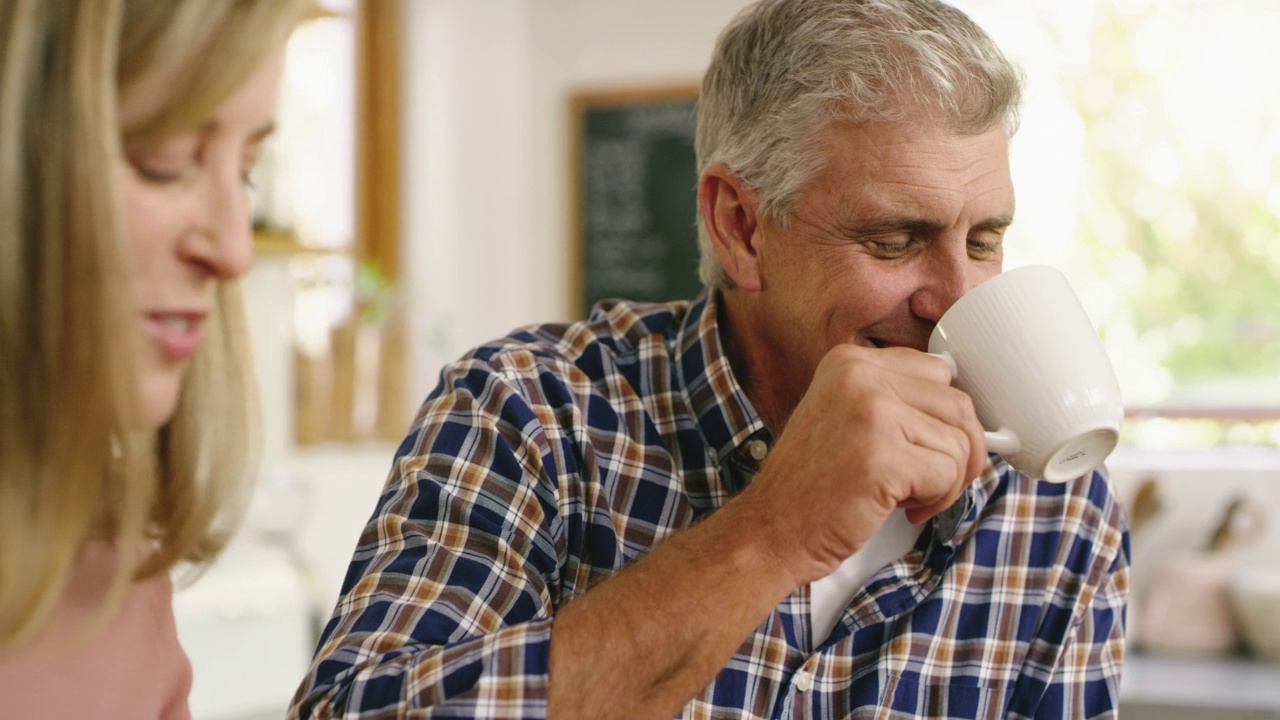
1001	441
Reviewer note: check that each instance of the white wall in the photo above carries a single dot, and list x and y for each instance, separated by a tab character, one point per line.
487	216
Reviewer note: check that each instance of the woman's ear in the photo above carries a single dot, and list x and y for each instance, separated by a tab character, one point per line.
731	214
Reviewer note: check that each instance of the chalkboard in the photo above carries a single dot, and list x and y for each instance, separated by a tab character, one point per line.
635	196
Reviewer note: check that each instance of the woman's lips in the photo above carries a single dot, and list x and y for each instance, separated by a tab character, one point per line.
176	334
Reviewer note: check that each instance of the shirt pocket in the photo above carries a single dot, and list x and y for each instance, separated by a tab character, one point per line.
910	696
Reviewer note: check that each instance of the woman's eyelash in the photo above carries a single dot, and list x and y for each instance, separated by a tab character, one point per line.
155	174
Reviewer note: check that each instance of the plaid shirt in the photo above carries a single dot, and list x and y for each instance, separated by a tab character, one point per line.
549	460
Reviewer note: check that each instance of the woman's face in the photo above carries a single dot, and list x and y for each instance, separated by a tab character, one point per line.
186	210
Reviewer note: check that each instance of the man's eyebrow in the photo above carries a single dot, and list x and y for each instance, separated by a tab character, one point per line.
891	225
1000	222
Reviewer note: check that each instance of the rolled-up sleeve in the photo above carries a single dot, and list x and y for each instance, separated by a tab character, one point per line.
1078	675
1087	682
447	607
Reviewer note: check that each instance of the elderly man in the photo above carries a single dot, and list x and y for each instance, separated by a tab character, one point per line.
767	502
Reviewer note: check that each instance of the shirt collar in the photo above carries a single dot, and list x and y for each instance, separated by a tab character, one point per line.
724	415
955	525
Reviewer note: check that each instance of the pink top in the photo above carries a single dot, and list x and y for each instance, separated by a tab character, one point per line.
133	669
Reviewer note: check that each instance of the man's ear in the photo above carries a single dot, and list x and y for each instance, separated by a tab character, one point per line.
731	213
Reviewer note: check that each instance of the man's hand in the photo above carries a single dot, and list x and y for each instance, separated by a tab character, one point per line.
878	429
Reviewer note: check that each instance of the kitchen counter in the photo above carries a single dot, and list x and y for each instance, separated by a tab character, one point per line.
1172	687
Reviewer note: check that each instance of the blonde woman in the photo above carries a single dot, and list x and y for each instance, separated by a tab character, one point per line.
127	130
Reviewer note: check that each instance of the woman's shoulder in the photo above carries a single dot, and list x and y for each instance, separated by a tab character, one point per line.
131	666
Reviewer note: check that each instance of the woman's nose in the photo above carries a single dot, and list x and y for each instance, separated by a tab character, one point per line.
223	240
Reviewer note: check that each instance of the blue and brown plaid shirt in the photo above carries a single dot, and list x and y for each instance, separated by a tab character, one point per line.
549	460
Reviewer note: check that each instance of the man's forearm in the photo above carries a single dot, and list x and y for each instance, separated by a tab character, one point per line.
648	639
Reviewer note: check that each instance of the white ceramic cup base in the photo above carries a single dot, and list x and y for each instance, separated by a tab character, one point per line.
1080	454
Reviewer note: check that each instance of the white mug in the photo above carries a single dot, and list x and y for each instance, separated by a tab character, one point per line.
1021	345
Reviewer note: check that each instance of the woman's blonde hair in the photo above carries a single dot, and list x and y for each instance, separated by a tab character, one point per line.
73	465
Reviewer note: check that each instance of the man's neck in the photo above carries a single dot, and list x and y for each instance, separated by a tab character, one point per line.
756	366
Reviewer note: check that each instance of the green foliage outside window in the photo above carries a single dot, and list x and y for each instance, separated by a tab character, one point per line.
1183	222
1148	168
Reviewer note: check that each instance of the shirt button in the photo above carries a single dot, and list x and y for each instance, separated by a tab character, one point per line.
758	449
804	681
948	521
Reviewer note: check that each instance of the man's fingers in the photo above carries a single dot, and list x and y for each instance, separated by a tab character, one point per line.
941	457
949	442
952	407
930	412
901	360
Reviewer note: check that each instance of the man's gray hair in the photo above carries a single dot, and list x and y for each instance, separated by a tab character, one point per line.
783	71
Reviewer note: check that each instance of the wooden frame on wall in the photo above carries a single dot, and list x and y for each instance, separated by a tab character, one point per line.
378	123
365	366
377	114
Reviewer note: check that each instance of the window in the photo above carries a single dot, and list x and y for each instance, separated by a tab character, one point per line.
326	196
1145	169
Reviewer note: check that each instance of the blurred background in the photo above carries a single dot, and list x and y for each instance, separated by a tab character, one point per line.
446	170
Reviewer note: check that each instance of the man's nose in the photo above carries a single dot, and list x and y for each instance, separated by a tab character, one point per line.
946	277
